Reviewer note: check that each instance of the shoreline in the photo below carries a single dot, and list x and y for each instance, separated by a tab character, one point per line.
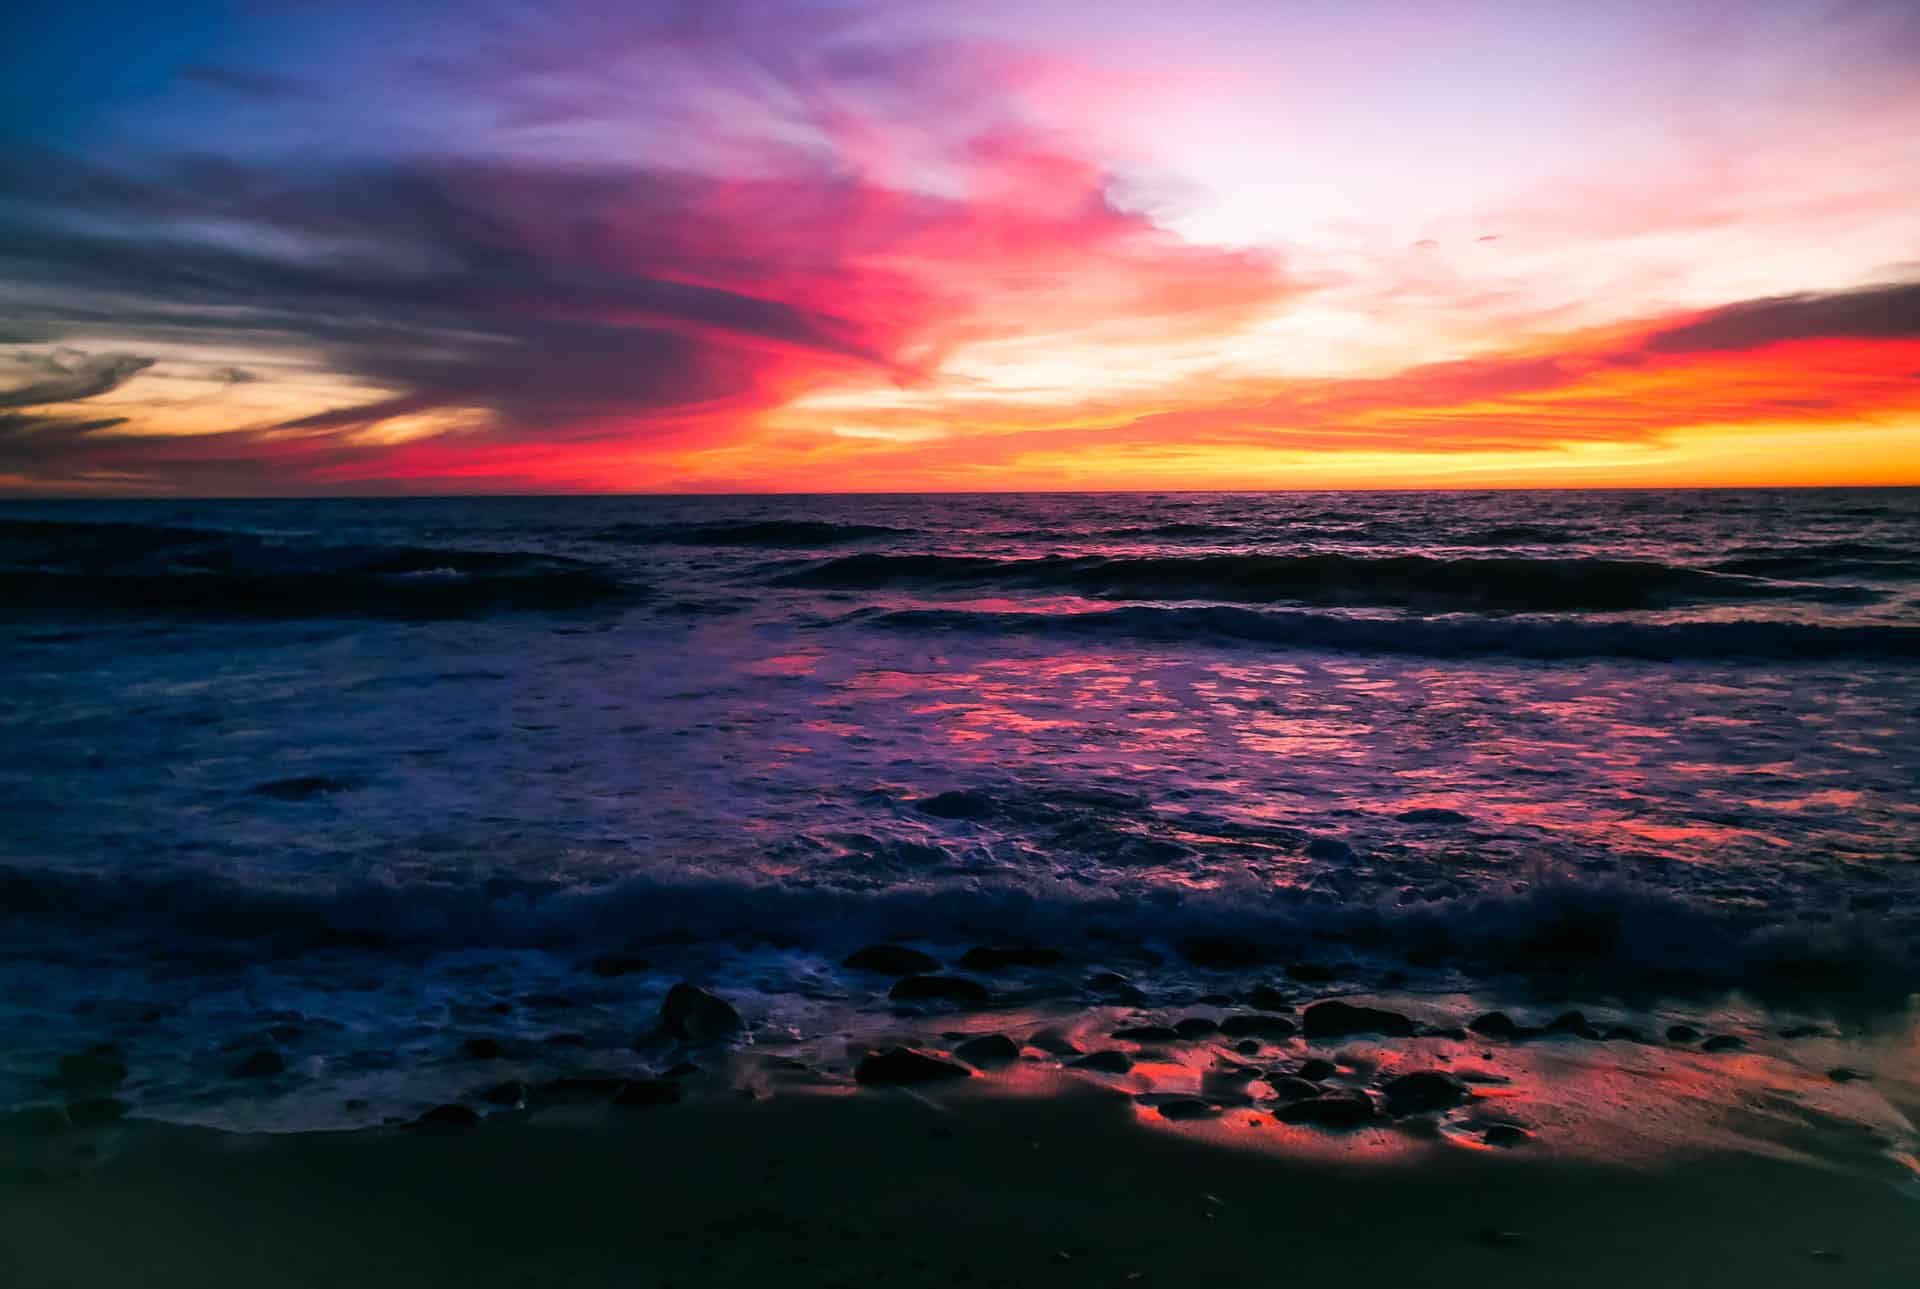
961	1186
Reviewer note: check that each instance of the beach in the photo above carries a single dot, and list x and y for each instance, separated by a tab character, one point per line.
887	1187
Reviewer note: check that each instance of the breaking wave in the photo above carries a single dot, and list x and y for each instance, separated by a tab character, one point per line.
1435	637
1496	583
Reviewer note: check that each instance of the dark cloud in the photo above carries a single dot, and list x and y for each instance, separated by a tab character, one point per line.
1875	313
67	378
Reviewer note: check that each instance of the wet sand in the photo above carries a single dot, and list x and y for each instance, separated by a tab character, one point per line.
888	1187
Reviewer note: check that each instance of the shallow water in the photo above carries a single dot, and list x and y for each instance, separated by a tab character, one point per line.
356	780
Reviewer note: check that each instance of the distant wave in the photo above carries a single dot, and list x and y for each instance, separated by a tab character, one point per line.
766	532
1435	637
1551	921
1501	583
152	569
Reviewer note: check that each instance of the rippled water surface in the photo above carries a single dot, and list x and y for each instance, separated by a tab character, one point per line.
358	777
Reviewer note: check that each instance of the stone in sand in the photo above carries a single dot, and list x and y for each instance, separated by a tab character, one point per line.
940	989
1495	1025
95	1069
1506	1135
481	1048
693	1015
647	1092
1801	1031
1572	1023
1105	1062
1195	1027
1331	849
1054	1043
1268	999
1247	1047
1329	1110
1424	1090
890	960
1147	1033
1336	1019
1310	973
263	1064
904	1066
1844	1074
453	1115
988	1049
1723	1043
1188	1108
1288	1087
1682	1034
1247	1025
1316	1068
998	957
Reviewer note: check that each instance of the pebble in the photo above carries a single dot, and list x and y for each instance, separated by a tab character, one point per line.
1329	1110
1423	1090
693	1015
905	1066
1105	1062
1336	1019
999	957
988	1049
942	989
452	1115
890	960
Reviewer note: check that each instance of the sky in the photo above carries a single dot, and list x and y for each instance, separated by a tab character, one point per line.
289	247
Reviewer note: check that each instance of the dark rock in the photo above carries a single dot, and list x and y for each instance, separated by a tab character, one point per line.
1623	1034
1455	1032
1723	1043
940	989
1104	1062
1572	1023
890	960
1316	1068
1289	1088
1248	1025
785	1065
956	805
96	1069
609	965
1336	1019
481	1048
1433	815
91	1112
1224	952
1506	1135
263	1064
452	1115
1247	1047
1106	982
565	1039
1310	973
1423	1090
1195	1027
1802	1031
696	1016
904	1066
1495	1025
576	1085
1330	849
1682	1034
988	1050
680	1070
1844	1074
1329	1110
511	1093
646	1092
1147	1033
1053	1043
1188	1108
1268	999
986	957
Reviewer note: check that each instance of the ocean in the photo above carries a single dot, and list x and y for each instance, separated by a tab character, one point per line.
373	785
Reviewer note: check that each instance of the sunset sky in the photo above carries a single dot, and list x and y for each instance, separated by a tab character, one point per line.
299	246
